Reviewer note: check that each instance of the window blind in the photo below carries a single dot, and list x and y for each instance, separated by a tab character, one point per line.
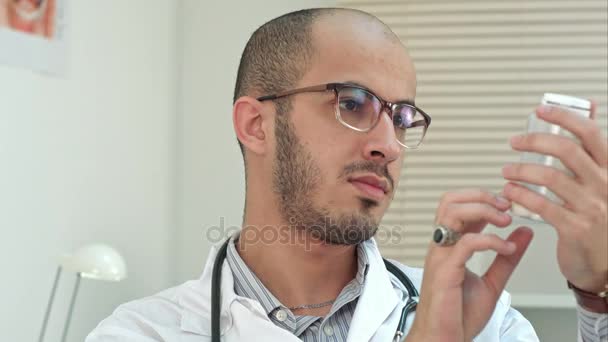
482	67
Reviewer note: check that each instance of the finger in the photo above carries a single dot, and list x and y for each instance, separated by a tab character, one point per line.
573	156
474	242
551	212
472	195
558	182
503	266
458	216
475	195
587	131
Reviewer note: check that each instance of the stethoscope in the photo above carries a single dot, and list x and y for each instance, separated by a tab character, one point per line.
216	276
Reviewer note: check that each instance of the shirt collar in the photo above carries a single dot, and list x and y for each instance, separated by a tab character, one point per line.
362	264
247	284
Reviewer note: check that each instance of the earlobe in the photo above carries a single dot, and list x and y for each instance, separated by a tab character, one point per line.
248	121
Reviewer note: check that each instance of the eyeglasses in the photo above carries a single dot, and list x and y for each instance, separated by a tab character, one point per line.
359	109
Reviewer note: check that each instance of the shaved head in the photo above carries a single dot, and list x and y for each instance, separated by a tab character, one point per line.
280	52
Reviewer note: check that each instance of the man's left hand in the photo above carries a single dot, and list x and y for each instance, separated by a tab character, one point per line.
581	221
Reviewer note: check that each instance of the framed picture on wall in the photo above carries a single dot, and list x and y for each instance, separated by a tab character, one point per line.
33	35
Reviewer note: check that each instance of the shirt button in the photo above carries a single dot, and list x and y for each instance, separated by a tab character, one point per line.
281	315
328	330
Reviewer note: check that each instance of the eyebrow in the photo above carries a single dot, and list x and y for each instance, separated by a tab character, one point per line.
410	102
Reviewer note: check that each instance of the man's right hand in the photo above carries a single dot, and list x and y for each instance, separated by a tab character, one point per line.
455	303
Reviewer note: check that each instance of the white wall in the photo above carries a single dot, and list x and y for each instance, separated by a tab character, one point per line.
88	158
210	176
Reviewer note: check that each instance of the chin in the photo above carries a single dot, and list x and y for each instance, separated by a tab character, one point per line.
368	203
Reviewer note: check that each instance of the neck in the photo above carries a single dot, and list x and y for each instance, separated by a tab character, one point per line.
294	267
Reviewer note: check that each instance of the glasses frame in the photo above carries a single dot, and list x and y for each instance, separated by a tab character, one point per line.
386	106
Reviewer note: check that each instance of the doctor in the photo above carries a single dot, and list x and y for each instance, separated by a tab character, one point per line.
321	105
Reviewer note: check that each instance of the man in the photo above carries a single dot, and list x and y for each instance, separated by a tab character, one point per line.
324	112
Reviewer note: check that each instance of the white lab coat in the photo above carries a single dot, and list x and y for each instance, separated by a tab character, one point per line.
183	313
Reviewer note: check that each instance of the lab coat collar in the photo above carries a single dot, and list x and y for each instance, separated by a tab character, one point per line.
196	316
195	301
378	299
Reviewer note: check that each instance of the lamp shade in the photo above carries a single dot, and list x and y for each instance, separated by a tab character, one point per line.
96	261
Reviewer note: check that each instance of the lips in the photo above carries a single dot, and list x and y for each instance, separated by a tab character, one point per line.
371	186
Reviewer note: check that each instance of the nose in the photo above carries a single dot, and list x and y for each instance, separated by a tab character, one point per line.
381	143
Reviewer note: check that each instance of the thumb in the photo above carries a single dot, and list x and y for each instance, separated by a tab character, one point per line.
503	266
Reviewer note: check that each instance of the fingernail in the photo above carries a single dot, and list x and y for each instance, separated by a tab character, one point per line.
516	139
544	110
511	246
502	201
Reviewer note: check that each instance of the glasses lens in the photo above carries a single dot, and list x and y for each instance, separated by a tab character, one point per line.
358	108
410	125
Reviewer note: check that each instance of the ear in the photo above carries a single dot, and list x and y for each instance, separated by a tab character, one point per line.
249	125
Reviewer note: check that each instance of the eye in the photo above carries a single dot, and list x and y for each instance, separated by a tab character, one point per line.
350	105
398	120
402	119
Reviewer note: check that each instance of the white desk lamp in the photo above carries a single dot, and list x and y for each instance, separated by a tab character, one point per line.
97	262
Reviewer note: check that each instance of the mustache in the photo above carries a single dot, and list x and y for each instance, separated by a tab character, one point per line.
369	166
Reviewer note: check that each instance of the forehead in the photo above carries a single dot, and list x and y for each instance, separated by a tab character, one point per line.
359	49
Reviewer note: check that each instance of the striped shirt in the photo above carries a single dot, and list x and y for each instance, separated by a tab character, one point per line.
333	327
593	327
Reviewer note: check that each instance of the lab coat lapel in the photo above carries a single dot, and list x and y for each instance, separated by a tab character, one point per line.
195	299
238	322
377	301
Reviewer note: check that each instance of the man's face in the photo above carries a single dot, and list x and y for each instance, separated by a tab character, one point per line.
323	171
